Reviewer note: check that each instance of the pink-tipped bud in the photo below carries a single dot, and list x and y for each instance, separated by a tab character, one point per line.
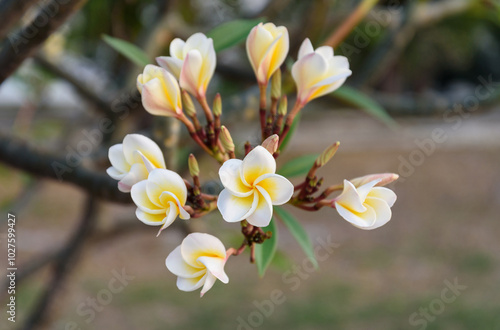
385	178
271	143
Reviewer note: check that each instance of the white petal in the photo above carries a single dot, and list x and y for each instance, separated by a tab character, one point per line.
196	245
278	187
233	208
190	284
382	210
172	64
257	44
136	174
167	197
362	220
147	147
384	194
114	173
190	73
365	189
259	161
161	180
176	48
230	177
140	197
263	213
177	266
307	72
150	219
216	267
305	48
325	51
197	41
350	199
154	99
209	283
172	213
117	159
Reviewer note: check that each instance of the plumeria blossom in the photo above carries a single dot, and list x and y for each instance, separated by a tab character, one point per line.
366	207
160	92
198	262
267	47
318	72
132	160
192	62
160	198
252	188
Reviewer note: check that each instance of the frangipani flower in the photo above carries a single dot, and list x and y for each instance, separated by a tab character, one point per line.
192	62
198	261
160	198
267	47
366	207
318	72
160	92
252	188
132	160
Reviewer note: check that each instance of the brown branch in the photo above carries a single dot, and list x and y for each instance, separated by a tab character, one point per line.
24	43
19	155
11	12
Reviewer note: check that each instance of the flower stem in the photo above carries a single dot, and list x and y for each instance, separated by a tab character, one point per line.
263	109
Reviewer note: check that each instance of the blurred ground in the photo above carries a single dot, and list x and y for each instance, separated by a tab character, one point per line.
444	228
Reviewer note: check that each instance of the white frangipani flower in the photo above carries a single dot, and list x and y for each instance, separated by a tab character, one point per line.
160	92
252	188
133	159
192	62
318	72
366	207
198	261
160	198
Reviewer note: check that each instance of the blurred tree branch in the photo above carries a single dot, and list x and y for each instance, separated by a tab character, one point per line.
21	156
65	260
24	43
11	12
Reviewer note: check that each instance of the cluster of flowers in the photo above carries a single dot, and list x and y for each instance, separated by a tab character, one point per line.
251	185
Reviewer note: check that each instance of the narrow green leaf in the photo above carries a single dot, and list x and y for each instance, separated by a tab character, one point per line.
364	102
298	232
127	49
232	33
298	166
264	252
292	130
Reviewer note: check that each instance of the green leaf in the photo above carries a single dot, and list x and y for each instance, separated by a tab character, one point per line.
264	253
298	167
292	130
364	102
127	49
232	33
298	232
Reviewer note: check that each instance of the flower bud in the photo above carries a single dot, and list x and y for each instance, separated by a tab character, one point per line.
194	170
188	105
283	107
276	85
327	154
271	143
385	179
267	47
226	140
217	107
160	92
